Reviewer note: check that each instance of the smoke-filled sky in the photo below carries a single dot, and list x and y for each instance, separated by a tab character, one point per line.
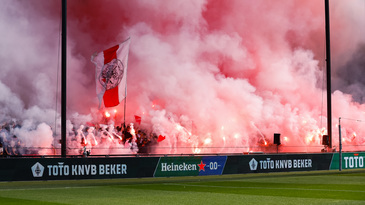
231	72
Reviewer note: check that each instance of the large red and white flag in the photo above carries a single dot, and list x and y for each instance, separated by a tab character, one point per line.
111	74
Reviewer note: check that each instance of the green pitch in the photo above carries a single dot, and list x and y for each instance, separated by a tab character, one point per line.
320	187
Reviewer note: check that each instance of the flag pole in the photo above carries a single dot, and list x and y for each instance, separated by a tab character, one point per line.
328	73
125	93
125	106
63	81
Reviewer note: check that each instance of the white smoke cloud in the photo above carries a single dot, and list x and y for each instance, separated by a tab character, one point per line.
39	138
11	105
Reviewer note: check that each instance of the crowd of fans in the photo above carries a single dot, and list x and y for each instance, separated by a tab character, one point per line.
84	140
95	138
10	145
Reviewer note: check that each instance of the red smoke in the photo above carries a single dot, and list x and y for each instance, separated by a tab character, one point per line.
211	76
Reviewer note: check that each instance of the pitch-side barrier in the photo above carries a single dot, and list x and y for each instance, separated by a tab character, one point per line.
26	169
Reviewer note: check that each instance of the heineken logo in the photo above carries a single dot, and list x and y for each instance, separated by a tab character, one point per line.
171	167
190	166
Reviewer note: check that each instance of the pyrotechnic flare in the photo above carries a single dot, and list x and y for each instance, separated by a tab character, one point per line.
80	136
112	134
91	137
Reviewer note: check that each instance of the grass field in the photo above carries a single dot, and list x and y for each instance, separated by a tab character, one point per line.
319	187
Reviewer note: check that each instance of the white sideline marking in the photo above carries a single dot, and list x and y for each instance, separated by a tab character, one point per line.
232	187
29	189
